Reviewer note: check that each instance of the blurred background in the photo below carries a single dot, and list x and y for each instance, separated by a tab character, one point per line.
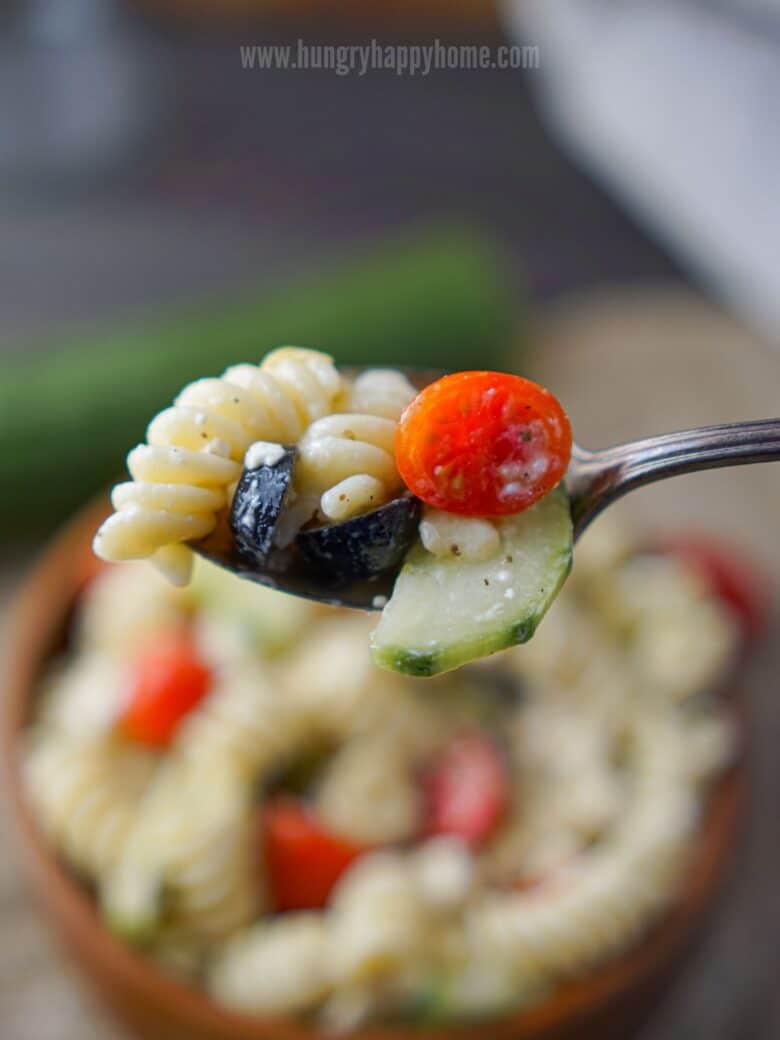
602	214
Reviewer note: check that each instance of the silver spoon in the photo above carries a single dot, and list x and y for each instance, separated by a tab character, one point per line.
594	480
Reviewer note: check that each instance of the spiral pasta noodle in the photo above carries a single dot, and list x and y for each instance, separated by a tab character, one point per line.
279	967
381	391
369	792
243	723
348	461
125	606
194	451
201	859
86	795
602	903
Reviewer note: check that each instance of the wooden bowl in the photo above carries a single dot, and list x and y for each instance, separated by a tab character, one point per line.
607	1003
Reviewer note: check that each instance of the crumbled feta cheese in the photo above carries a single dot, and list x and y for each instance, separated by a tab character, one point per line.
263	453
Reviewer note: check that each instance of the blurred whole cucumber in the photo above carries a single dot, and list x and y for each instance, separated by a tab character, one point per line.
69	414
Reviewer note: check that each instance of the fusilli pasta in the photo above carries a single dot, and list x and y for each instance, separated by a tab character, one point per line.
125	606
279	967
243	723
82	702
195	448
348	461
87	795
391	914
600	904
191	842
369	792
381	391
377	919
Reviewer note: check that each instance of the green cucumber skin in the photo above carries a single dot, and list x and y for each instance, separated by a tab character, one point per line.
430	662
425	664
69	415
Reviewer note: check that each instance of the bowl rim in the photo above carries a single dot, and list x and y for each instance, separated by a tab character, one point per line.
38	615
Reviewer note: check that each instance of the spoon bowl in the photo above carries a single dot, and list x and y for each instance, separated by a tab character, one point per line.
298	579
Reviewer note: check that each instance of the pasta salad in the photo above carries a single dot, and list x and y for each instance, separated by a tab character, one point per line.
268	816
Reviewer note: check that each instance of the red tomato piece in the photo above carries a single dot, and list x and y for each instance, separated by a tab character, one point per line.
467	789
734	578
303	860
168	680
483	443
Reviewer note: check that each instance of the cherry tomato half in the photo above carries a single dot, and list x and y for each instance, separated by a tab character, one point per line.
303	860
466	789
483	443
168	680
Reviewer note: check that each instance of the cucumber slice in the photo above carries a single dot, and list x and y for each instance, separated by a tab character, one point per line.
445	612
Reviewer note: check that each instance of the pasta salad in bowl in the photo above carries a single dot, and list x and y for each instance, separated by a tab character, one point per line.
252	824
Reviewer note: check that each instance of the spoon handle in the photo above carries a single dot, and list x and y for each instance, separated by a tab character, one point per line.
597	478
